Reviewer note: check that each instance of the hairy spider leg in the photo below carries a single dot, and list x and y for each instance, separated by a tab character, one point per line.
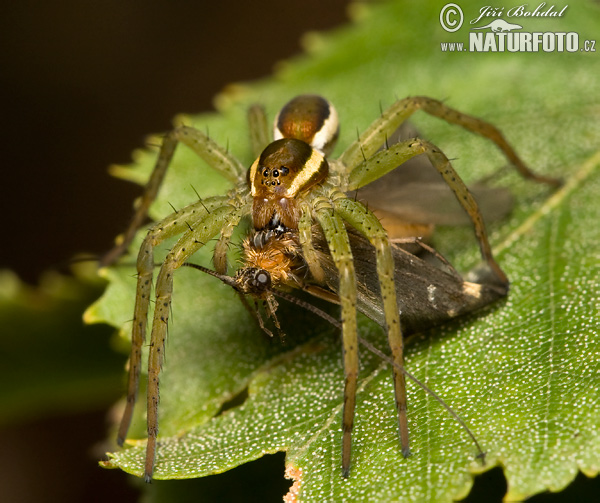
260	132
378	132
369	225
169	227
222	244
339	247
215	156
332	208
386	160
199	234
213	214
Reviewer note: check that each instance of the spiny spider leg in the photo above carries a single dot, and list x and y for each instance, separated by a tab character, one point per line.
172	225
386	160
368	224
260	134
215	156
222	245
375	135
200	233
339	247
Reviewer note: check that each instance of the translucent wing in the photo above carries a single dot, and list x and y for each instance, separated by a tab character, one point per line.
416	193
427	295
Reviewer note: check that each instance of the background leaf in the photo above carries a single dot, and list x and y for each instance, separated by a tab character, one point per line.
53	363
523	374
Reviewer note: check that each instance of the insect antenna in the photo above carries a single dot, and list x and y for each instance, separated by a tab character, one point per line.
270	304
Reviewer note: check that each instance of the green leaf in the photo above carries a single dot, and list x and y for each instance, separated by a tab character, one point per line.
523	374
52	362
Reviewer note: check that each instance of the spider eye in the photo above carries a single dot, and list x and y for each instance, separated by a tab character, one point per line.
284	171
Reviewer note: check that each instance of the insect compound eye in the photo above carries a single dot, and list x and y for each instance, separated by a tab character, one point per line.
262	279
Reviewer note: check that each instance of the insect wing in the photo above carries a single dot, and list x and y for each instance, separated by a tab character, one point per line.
427	295
416	193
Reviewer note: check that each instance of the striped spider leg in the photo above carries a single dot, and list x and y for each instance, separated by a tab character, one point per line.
293	190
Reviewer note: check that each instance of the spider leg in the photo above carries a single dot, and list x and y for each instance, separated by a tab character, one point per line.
368	224
260	133
170	226
216	156
187	245
377	133
305	237
339	247
386	160
222	245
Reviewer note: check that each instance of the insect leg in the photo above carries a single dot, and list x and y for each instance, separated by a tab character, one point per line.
368	224
171	226
386	160
339	247
216	156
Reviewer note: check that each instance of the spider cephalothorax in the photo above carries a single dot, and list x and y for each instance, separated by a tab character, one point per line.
296	198
285	170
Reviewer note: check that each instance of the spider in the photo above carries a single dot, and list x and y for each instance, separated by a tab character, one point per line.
296	198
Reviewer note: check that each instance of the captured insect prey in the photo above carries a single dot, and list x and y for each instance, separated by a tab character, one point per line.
311	232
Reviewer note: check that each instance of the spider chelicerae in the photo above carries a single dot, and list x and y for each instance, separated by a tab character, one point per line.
305	230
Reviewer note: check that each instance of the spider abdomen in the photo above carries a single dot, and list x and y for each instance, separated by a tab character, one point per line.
309	118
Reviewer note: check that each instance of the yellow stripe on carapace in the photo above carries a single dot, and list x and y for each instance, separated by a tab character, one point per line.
252	176
314	164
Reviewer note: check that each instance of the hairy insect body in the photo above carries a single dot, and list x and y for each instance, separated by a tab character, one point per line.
279	253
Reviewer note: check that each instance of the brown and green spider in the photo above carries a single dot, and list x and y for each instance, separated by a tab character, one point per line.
304	223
